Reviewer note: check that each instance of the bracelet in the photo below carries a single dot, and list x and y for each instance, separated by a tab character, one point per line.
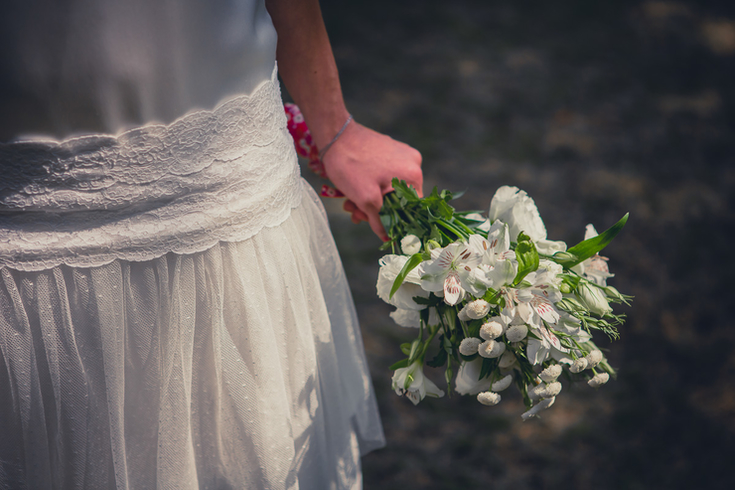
336	137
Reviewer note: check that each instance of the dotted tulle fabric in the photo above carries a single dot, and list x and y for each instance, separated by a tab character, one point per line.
174	314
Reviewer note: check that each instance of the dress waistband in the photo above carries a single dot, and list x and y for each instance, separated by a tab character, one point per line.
210	176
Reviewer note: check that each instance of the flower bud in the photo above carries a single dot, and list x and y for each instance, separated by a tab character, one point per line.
477	309
491	349
550	373
599	380
506	360
578	365
410	244
432	244
593	298
491	330
593	358
469	346
488	398
516	333
502	384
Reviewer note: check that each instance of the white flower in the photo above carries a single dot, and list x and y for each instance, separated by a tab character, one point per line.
593	298
516	333
593	359
484	222
469	346
491	349
476	309
595	268
542	405
506	360
488	398
550	247
410	381
550	373
449	271
514	207
548	345
502	384
468	380
390	267
492	329
410	244
412	318
578	365
544	390
599	380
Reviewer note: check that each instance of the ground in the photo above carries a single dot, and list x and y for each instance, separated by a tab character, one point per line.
595	109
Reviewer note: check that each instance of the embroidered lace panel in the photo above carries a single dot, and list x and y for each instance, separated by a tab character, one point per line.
219	175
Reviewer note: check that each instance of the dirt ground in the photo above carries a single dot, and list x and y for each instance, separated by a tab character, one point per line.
595	109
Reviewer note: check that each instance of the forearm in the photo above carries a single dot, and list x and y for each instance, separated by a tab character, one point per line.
307	67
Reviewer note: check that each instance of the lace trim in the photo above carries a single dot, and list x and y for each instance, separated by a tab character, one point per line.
210	176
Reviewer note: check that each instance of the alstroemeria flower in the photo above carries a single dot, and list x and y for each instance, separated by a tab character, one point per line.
390	267
514	207
449	271
410	381
595	268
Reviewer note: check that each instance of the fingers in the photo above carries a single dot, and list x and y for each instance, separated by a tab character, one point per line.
377	226
357	215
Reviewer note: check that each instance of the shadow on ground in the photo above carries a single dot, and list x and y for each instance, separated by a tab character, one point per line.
595	109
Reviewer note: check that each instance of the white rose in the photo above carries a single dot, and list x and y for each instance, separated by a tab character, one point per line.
578	365
410	244
593	359
516	333
599	380
406	318
515	208
491	330
491	349
488	398
469	346
476	309
468	380
550	373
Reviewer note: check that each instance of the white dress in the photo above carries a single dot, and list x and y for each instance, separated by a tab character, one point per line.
173	311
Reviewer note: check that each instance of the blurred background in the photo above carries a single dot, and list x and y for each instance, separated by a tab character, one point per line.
595	109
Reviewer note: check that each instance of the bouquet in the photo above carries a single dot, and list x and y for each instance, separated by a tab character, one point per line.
494	298
491	296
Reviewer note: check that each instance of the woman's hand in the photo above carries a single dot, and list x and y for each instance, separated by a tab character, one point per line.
362	163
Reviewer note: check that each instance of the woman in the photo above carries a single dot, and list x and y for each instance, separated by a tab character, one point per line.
173	313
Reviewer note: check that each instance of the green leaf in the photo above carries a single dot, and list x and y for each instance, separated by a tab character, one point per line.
400	364
440	359
586	249
406	348
488	366
527	257
410	265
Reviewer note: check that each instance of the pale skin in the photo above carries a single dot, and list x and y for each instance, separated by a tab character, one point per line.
362	162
